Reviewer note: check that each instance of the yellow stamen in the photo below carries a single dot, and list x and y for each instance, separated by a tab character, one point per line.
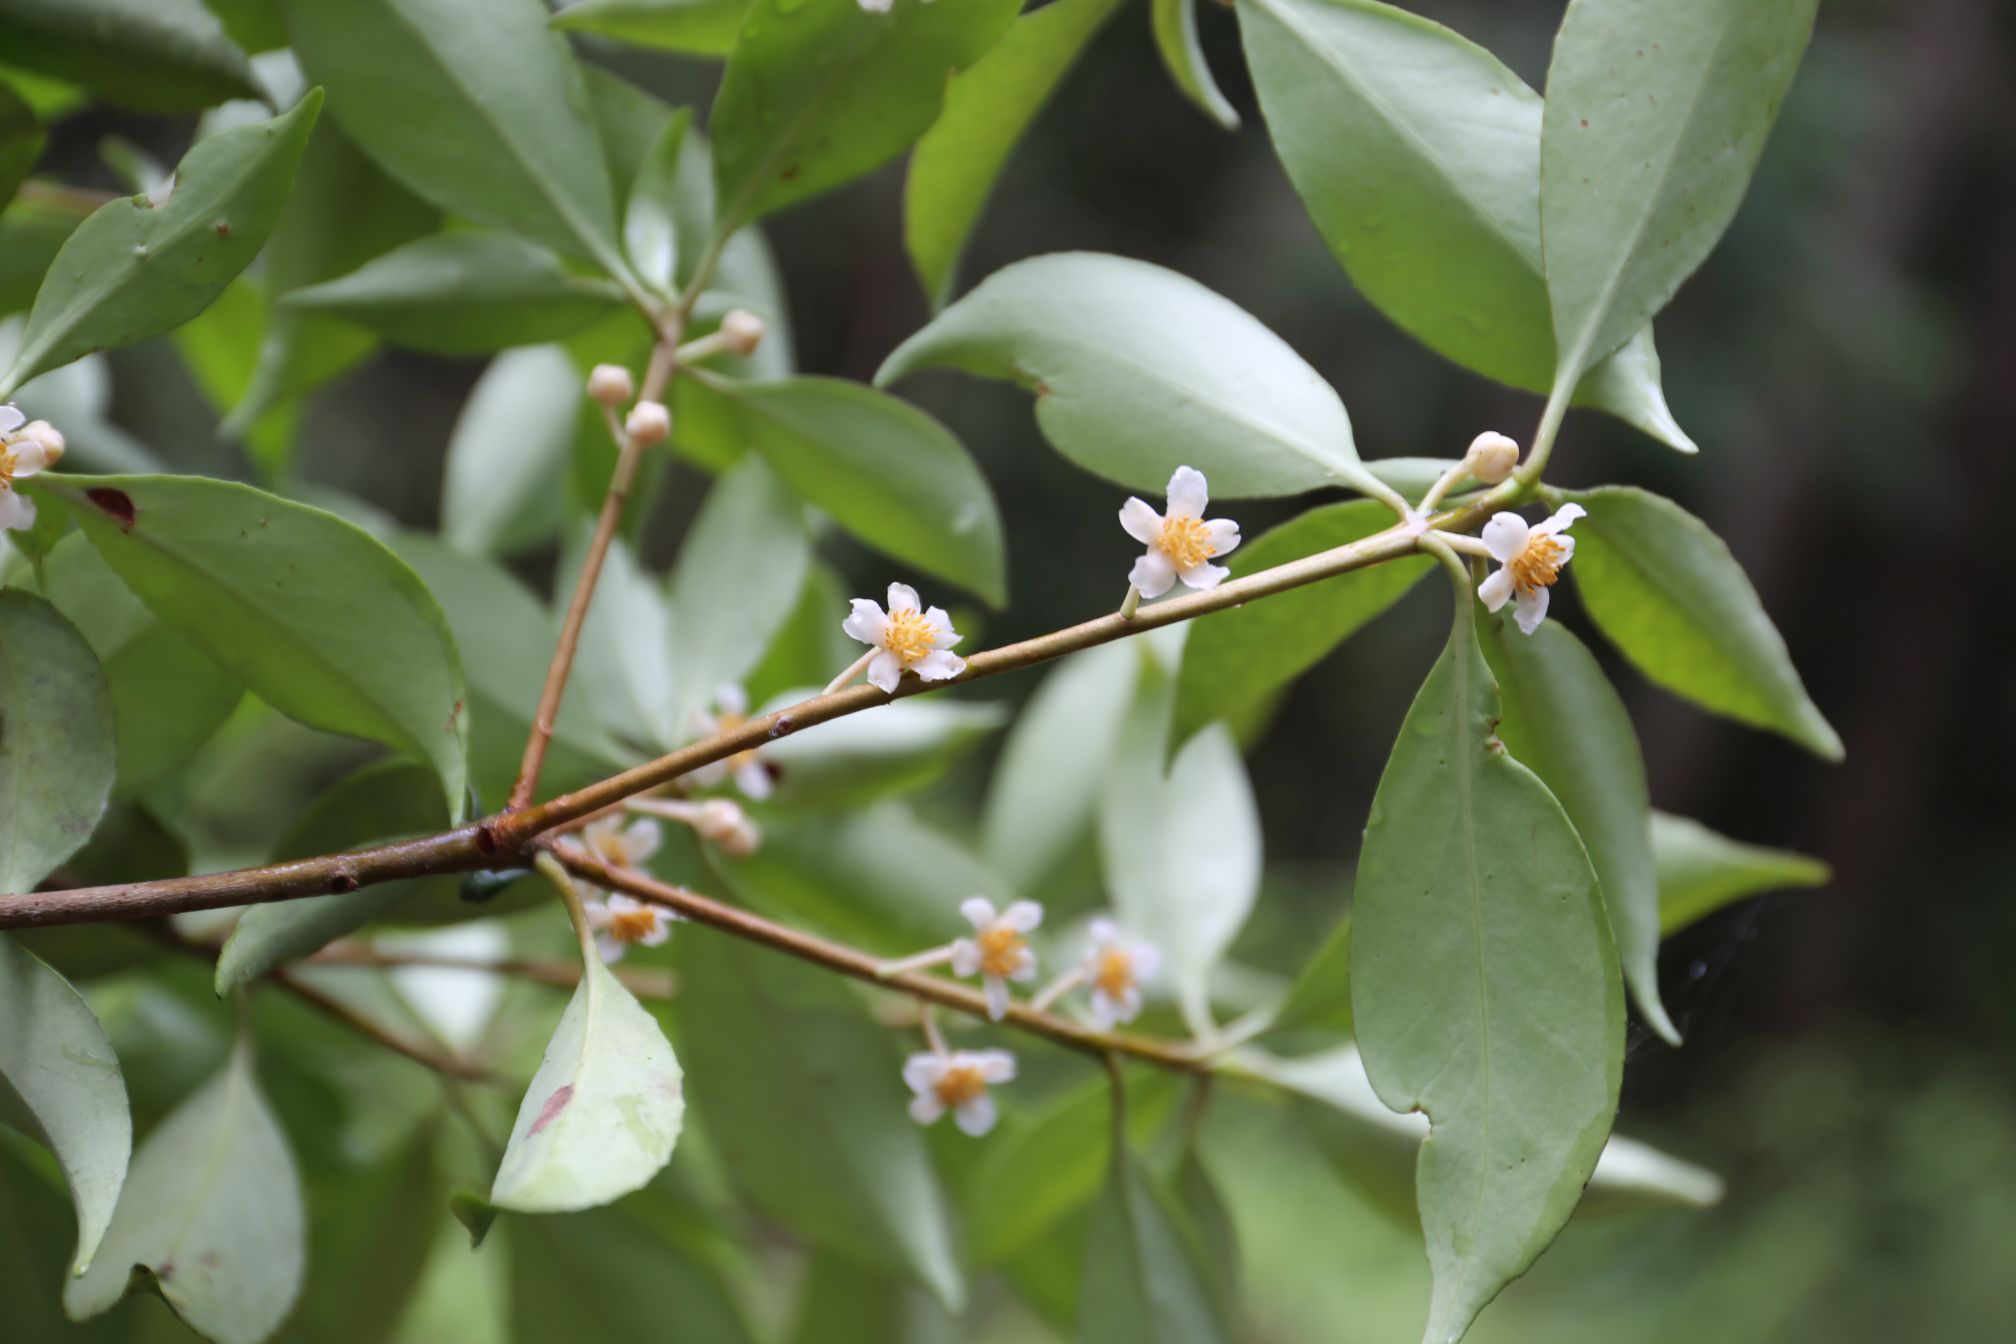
1186	542
611	850
959	1084
909	636
1001	950
1114	975
1538	563
631	926
7	465
728	723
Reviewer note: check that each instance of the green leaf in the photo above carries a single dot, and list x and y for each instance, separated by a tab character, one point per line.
464	293
1138	370
1145	1279
211	1214
1320	996
32	232
147	55
842	1303
899	748
987	109
62	1085
695	27
476	107
1700	871
1175	25
56	746
847	1172
167	699
601	1116
818	92
885	471
626	646
21	139
1565	722
312	613
658	210
507	457
1656	115
1667	592
1235	659
1418	156
135	269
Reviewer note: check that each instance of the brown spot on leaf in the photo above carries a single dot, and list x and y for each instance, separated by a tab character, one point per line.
223	228
116	504
551	1110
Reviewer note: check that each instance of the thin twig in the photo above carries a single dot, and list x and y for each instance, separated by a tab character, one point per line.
443	1063
642	981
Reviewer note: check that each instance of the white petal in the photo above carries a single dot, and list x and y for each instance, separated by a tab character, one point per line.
885	670
1146	959
1103	930
1531	610
609	947
1022	916
866	622
1025	966
11	419
730	698
965	957
902	597
921	1072
1141	521
941	622
754	780
1496	590
1152	574
1505	535
661	929
29	458
924	1109
598	914
979	911
1567	545
1129	1006
707	776
996	1066
1561	519
977	1116
938	665
1224	535
1204	577
996	991
641	840
15	511
1104	1010
1188	493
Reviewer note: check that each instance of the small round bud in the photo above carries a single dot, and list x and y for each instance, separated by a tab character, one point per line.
1492	457
649	423
611	385
724	823
742	330
49	437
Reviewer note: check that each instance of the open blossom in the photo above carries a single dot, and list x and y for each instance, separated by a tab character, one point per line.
1181	543
1530	560
910	639
957	1081
1114	967
998	951
731	711
25	450
622	920
620	846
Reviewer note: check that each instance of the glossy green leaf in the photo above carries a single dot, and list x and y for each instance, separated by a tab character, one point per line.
842	1303
987	110
884	470
1319	998
135	269
695	27
1138	370
1484	986
60	1083
1175	26
1145	1279
819	92
1566	723
31	234
464	293
1701	871
601	1116
21	139
1418	156
507	457
479	109
848	1173
56	745
1235	659
1667	592
211	1215
312	613
148	55
1656	115
626	647
657	213
898	748
167	699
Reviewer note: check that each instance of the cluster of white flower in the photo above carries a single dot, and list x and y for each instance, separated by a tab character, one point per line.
25	450
621	920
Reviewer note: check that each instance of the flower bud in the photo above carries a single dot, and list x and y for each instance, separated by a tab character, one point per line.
1492	457
723	823
649	423
611	385
742	330
49	437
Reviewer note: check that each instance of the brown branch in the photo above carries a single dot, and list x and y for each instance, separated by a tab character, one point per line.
443	1063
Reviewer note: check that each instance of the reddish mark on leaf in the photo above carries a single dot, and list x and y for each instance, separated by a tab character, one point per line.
223	228
116	504
551	1110
1585	123
165	1270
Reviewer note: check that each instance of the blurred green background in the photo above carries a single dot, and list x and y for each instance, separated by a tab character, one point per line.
1847	361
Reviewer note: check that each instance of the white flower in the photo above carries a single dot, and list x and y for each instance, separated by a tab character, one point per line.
1181	544
957	1082
997	952
910	639
622	846
25	450
1531	559
1115	967
622	920
731	711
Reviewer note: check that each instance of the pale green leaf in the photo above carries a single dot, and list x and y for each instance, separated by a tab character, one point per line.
1319	998
1667	592
658	210
1138	370
1700	871
987	109
1565	722
1175	26
507	457
841	1303
896	748
57	757
60	1082
1144	1280
601	1116
148	55
135	269
312	613
1418	156
626	646
695	27
1656	116
211	1213
1484	986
